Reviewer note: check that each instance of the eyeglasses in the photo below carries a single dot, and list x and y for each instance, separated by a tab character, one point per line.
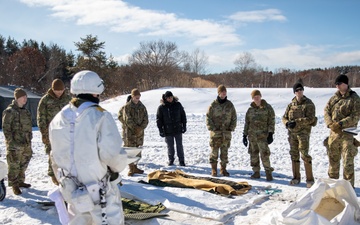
338	83
300	89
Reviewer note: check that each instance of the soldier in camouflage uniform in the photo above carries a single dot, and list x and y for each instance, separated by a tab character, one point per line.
136	120
259	128
17	128
342	111
299	117
221	121
50	104
122	121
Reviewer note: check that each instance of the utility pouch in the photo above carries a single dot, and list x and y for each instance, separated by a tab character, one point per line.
94	192
82	200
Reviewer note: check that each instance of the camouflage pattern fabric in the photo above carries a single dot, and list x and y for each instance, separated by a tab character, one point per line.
221	121
259	122
303	113
122	121
48	107
136	120
17	129
345	109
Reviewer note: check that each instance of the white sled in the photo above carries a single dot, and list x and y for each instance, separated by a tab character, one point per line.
3	173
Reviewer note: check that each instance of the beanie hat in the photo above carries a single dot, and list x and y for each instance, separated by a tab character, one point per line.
18	93
221	88
296	86
57	85
168	94
86	82
135	92
254	93
342	79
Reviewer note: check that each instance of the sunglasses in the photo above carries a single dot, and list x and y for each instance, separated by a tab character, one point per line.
338	83
300	89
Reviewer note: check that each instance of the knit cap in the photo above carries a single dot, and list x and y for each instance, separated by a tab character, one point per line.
168	94
254	93
342	79
296	86
135	92
57	85
18	93
221	88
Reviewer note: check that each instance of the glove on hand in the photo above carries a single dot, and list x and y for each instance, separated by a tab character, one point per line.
245	141
162	134
183	129
270	138
291	124
336	127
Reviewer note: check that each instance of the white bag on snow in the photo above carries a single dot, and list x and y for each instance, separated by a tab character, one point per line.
327	202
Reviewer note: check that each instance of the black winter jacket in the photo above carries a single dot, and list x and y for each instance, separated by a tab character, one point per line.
171	117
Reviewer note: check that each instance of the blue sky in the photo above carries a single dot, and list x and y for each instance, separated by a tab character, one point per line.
279	33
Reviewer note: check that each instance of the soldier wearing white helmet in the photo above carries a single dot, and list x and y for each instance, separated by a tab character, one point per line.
86	149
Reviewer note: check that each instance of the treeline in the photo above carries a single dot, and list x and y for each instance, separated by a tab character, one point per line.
154	64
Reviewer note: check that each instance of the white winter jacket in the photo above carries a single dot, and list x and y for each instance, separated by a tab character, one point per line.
97	145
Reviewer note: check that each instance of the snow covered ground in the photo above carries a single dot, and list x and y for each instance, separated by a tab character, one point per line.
187	206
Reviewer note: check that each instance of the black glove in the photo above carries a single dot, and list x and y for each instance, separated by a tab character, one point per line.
183	129
162	134
291	124
270	138
245	141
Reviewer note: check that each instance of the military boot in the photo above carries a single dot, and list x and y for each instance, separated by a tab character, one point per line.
137	170
255	175
214	169
309	174
54	180
24	185
16	190
223	171
269	176
296	173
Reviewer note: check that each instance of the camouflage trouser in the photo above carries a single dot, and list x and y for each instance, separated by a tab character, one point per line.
341	145
18	160
299	143
50	169
259	147
219	143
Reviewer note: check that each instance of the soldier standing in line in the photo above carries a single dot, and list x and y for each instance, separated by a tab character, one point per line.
136	120
342	111
299	117
122	121
17	128
50	104
221	120
259	129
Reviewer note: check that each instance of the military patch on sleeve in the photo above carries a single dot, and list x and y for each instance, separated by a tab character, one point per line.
100	108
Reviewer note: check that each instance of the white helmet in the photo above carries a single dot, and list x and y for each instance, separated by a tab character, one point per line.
86	82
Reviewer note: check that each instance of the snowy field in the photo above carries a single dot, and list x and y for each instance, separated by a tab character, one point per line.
187	206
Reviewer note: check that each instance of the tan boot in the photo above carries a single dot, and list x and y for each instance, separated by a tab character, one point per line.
223	171
214	169
269	176
309	174
24	185
137	170
54	180
16	190
296	173
131	170
255	175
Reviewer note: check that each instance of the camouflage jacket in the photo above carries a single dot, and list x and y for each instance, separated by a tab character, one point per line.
121	116
135	115
303	113
17	126
221	118
259	120
48	107
343	108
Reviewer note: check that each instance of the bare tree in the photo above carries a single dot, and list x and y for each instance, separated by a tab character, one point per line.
245	62
196	62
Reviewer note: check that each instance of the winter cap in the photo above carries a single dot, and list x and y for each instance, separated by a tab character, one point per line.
135	92
18	93
297	86
86	82
168	94
221	88
57	85
254	93
342	79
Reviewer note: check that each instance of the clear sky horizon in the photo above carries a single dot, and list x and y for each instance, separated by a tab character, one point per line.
295	35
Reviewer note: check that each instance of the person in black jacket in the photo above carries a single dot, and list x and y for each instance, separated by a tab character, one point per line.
171	121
